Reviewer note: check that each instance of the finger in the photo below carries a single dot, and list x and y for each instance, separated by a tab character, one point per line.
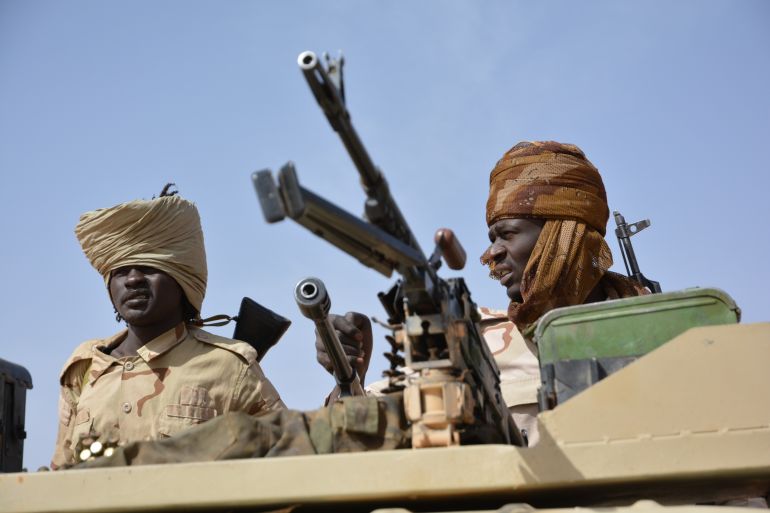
351	347
358	320
365	328
325	361
346	326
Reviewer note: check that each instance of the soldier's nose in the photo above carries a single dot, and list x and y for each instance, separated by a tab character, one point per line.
135	277
496	251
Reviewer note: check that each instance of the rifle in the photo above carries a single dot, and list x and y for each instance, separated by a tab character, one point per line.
624	232
453	397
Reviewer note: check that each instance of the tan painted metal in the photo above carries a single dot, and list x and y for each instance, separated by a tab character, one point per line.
638	507
688	422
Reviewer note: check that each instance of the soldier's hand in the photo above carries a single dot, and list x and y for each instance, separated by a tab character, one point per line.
355	333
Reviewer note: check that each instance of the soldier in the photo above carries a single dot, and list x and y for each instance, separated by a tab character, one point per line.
547	215
163	373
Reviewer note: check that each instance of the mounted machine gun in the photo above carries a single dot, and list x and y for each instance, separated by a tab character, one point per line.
453	394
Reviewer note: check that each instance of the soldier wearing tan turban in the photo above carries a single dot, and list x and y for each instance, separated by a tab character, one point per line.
163	373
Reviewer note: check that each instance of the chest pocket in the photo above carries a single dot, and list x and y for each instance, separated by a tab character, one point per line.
195	406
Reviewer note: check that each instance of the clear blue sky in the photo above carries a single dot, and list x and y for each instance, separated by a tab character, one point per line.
103	102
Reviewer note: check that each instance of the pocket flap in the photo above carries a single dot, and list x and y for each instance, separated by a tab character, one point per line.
186	411
194	396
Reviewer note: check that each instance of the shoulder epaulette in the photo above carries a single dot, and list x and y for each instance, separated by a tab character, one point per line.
242	349
82	355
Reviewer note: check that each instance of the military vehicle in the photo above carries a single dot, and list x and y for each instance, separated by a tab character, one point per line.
647	404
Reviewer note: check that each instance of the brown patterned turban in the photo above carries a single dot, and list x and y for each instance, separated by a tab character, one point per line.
556	182
163	233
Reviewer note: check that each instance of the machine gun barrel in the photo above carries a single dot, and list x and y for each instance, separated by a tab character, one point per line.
380	207
314	303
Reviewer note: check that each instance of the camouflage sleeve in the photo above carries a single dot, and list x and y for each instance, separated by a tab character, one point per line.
69	393
254	393
62	453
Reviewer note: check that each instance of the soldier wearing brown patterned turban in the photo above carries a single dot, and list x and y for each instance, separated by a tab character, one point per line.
555	186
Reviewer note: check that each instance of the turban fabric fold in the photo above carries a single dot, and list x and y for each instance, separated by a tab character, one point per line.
164	233
556	182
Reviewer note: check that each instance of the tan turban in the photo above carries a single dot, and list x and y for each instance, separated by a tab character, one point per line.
556	182
163	233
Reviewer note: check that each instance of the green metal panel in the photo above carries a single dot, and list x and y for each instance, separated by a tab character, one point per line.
629	327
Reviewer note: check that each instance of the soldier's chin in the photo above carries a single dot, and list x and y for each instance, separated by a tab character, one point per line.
136	317
514	294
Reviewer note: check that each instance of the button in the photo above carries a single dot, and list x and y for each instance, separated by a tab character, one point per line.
129	366
126	407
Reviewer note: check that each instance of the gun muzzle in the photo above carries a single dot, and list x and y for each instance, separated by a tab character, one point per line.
314	303
312	299
307	60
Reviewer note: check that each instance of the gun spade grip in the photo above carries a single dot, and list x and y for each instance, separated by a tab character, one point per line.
451	249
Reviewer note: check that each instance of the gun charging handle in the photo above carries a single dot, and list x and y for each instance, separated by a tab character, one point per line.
314	303
451	249
448	247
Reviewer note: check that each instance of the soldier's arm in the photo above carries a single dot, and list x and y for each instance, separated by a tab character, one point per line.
254	393
68	399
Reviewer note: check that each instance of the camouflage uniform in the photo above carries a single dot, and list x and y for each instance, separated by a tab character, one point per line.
516	358
354	424
181	378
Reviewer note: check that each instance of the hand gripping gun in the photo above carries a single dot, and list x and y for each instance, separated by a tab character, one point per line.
314	303
452	392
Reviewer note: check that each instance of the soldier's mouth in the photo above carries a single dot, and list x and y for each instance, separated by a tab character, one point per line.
501	273
506	278
136	299
496	273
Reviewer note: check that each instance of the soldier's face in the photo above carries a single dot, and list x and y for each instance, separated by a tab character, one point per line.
512	243
144	296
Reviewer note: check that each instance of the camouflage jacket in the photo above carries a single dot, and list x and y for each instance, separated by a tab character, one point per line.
516	358
181	378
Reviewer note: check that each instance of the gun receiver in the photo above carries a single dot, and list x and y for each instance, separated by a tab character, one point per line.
314	303
453	396
624	232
